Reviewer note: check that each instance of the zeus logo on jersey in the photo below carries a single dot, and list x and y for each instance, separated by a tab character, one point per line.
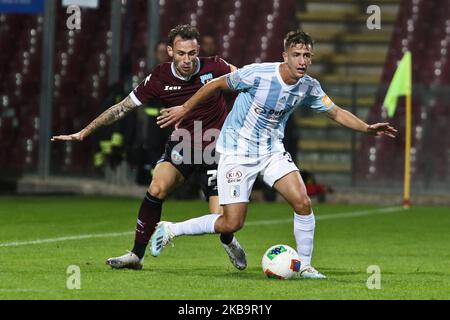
172	88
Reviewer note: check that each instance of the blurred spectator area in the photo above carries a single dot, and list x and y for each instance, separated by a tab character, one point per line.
20	56
80	83
348	61
422	27
354	65
246	31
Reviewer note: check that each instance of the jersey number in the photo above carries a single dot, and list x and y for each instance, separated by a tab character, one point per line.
288	156
212	178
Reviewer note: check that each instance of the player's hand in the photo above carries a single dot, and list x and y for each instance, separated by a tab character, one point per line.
171	116
79	136
382	129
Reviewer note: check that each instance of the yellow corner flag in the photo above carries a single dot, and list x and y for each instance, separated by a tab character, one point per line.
401	84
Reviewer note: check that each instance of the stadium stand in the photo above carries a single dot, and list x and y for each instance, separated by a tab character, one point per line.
81	66
19	91
348	61
423	27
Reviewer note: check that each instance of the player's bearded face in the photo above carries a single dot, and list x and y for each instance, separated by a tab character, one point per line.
184	54
299	58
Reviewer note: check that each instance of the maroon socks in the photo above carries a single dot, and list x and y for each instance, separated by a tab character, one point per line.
148	218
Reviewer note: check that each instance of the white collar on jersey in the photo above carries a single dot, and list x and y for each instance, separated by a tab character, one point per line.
176	75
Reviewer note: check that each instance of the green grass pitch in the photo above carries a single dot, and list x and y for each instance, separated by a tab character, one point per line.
411	248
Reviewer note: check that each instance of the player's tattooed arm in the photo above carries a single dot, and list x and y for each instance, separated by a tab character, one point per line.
108	117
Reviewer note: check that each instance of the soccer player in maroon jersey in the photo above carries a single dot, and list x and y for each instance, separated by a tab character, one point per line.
173	83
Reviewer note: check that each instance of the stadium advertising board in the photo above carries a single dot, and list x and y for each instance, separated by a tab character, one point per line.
22	6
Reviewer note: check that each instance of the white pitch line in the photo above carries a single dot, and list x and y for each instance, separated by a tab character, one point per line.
251	223
51	240
23	291
331	216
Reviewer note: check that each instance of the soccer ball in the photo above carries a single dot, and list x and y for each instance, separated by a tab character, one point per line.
281	262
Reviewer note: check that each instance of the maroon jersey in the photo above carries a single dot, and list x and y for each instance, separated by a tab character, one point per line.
172	90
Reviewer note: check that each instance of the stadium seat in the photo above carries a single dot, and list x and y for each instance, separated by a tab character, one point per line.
168	16
235	31
207	15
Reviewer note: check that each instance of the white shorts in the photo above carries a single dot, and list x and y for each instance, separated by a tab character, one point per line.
235	178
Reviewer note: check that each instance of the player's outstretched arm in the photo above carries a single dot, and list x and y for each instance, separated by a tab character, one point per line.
108	117
175	115
351	121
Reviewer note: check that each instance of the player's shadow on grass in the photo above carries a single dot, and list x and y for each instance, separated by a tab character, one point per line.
347	272
426	273
229	273
341	272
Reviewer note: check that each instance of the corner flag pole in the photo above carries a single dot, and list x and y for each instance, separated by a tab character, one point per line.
408	125
401	85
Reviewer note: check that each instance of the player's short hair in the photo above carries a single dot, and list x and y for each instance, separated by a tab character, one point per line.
296	37
185	31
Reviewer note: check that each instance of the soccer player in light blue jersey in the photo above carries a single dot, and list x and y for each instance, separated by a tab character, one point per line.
251	143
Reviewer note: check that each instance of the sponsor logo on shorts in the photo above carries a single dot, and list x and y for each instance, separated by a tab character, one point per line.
235	191
234	176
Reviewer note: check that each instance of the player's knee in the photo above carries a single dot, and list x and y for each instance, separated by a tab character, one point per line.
157	190
231	226
303	205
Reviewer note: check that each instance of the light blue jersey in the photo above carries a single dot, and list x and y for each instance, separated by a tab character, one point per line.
255	126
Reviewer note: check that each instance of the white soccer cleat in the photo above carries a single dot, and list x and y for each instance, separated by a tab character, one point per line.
236	254
309	272
161	238
127	261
